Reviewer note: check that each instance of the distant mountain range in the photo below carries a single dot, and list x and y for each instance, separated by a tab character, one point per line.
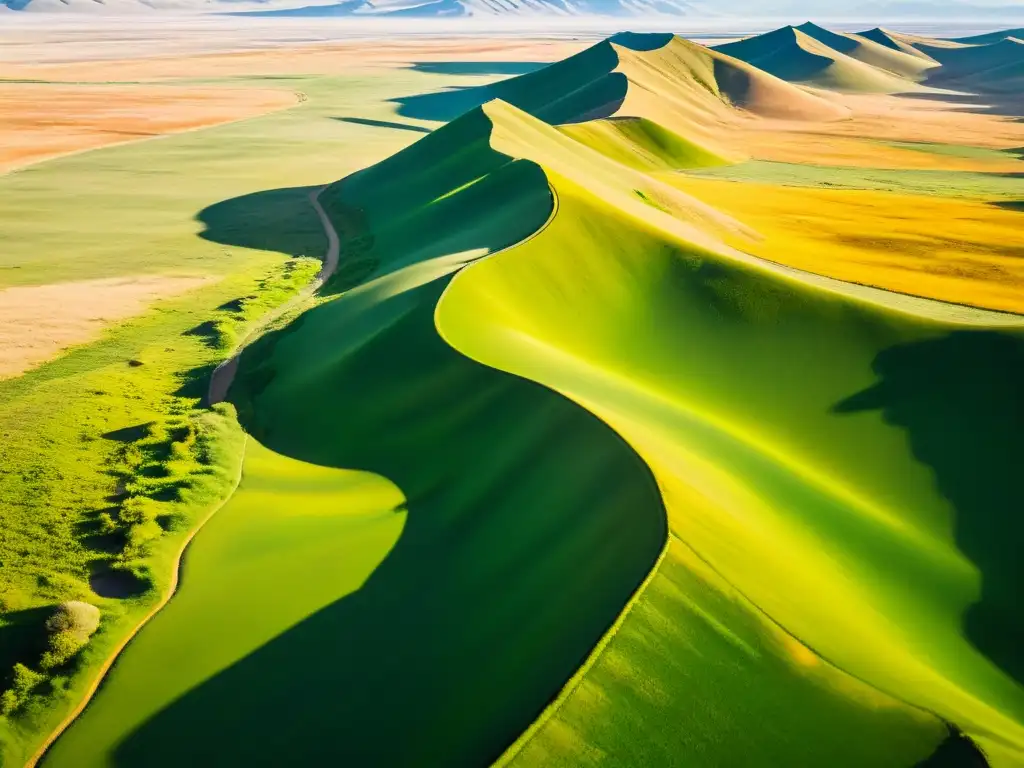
708	9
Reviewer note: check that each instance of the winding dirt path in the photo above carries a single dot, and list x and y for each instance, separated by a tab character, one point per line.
224	375
220	382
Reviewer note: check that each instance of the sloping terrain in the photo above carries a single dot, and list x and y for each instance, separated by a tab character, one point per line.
895	41
658	90
983	68
602	487
991	37
868	51
794	55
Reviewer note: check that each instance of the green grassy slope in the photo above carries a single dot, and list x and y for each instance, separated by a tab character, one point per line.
498	582
207	203
528	522
790	486
540	382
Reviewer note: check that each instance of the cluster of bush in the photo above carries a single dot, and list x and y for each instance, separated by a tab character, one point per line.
68	630
153	474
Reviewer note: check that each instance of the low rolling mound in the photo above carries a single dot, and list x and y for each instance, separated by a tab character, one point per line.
983	65
793	55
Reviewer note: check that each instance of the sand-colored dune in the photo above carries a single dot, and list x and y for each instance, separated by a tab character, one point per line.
968	60
894	41
38	322
792	54
989	37
862	48
995	67
688	89
39	121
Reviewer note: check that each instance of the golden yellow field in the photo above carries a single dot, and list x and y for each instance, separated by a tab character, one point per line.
960	251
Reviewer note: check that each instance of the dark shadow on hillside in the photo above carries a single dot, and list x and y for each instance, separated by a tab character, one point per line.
1002	104
89	530
960	399
956	751
194	382
382	124
478	68
22	638
529	524
128	434
446	105
280	220
1009	205
115	583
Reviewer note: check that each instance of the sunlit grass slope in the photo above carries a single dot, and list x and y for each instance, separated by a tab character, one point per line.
554	393
695	676
294	539
757	397
526	524
794	55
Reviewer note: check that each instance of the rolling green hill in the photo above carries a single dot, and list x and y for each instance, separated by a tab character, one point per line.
562	479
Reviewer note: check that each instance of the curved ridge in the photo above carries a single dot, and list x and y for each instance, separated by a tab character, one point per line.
629	405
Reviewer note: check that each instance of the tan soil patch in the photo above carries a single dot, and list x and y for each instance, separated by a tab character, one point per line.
39	121
901	118
343	58
38	322
822	148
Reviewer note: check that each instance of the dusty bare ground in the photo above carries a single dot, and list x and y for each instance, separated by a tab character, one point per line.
332	58
39	121
855	141
38	322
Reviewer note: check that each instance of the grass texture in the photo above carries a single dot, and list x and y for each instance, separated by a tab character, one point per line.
81	434
547	384
543	367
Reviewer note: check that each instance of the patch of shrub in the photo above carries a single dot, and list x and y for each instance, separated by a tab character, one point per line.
74	616
70	628
138	510
8	702
139	538
107	525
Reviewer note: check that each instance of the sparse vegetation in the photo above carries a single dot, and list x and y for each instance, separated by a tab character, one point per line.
106	463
